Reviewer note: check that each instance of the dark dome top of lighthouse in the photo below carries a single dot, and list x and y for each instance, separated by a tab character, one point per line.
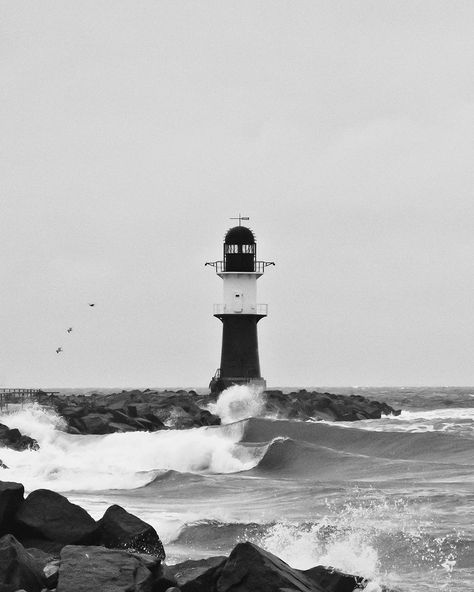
239	235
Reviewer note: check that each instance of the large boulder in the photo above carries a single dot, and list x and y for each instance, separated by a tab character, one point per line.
11	497
49	515
193	568
118	529
13	438
18	569
251	569
332	580
84	569
95	423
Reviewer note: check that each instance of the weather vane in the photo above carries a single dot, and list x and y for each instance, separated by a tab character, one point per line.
240	218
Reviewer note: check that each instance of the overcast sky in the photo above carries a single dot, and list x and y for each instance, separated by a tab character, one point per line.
131	131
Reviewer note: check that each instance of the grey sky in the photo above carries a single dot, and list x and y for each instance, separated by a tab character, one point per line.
132	131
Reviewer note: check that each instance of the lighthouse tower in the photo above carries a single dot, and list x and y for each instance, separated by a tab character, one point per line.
239	312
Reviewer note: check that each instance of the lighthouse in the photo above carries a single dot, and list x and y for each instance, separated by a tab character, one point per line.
239	311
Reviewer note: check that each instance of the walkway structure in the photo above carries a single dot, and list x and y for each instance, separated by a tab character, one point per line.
20	396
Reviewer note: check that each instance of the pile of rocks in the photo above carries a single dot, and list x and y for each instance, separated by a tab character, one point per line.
130	411
48	543
156	410
305	405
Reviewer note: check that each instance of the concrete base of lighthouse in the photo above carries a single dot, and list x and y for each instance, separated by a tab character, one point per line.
239	357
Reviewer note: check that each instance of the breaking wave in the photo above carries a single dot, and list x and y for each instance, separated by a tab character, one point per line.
258	446
239	402
67	462
372	536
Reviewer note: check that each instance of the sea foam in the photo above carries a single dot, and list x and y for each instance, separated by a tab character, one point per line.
239	402
67	462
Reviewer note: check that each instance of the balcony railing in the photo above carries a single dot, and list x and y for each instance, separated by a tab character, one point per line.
256	309
259	267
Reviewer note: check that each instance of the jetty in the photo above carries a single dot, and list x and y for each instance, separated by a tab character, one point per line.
20	396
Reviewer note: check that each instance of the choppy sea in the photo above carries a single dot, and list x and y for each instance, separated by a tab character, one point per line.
390	499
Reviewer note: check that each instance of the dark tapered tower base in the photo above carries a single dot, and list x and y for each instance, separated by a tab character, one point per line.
240	362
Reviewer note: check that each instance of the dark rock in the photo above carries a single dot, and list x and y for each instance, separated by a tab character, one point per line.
50	548
192	569
49	515
122	427
96	423
138	409
84	569
41	557
144	424
3	465
11	497
251	569
51	573
73	411
332	580
18	569
165	580
207	418
12	438
118	529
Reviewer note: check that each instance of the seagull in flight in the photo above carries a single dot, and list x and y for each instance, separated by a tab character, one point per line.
69	330
59	350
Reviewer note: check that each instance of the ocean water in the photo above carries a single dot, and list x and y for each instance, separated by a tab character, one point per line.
390	499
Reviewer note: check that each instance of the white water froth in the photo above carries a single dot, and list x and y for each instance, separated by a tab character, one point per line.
67	462
364	537
239	402
456	420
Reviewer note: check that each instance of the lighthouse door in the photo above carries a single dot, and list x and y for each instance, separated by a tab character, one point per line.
238	301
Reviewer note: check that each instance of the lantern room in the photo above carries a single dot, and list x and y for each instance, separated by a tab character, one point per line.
240	250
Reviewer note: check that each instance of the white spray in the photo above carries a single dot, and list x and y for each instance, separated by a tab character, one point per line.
239	402
67	462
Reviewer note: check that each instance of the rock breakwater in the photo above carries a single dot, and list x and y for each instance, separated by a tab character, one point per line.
150	410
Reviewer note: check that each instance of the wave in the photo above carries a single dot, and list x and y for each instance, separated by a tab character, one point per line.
238	402
450	420
377	538
427	446
255	446
67	462
304	461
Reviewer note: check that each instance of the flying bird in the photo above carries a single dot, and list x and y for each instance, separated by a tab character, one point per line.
59	350
69	330
93	304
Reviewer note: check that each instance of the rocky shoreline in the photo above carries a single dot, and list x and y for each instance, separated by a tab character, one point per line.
49	544
150	410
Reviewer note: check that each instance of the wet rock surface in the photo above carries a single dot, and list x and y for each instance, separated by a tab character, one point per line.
82	569
49	515
13	438
11	498
18	569
118	529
